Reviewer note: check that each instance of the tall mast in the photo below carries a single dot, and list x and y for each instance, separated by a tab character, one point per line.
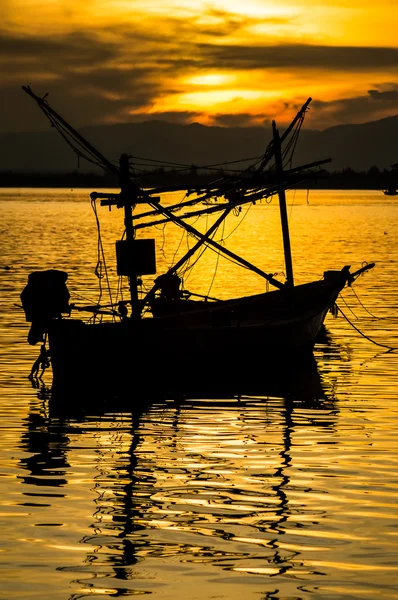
282	207
133	257
128	195
270	150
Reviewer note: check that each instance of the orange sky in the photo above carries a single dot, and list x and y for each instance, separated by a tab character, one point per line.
219	62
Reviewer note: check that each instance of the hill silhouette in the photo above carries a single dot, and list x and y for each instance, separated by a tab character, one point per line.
359	146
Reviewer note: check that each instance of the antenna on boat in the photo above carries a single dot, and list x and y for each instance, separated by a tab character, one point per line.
282	207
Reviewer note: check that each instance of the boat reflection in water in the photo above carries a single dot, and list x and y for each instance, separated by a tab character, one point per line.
185	481
202	379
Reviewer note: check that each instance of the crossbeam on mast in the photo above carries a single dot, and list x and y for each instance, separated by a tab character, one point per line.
221	249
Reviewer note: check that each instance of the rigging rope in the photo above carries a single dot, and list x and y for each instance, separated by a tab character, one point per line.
217	261
98	268
291	145
158	162
239	224
186	272
72	141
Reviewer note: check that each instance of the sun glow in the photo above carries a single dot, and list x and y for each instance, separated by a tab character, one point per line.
212	99
124	59
211	79
255	8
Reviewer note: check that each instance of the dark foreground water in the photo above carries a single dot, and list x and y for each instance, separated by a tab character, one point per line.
281	493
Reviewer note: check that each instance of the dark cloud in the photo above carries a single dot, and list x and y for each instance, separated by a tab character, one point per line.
103	76
76	98
178	117
88	81
237	120
301	56
376	104
386	97
75	49
227	23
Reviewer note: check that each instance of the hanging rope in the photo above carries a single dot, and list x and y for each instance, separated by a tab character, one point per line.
217	261
41	363
101	258
391	348
363	306
238	225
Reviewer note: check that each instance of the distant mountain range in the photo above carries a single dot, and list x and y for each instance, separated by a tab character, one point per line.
359	147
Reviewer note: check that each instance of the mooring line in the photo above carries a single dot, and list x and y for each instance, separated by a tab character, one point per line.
363	306
362	334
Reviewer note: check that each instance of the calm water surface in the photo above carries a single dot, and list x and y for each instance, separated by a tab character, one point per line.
264	495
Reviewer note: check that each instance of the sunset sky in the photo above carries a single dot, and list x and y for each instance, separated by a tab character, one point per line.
218	62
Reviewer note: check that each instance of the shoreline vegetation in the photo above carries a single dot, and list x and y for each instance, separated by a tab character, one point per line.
372	179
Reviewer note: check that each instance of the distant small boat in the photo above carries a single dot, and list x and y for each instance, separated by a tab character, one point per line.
391	191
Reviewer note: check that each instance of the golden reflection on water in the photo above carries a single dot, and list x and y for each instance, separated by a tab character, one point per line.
275	494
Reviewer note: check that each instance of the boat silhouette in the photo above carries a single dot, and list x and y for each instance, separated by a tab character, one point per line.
167	329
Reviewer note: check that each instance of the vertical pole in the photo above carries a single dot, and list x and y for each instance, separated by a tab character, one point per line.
282	208
128	194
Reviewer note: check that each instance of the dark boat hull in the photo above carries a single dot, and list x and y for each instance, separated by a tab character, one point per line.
268	330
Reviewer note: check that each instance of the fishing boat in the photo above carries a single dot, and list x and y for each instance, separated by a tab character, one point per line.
168	330
391	191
